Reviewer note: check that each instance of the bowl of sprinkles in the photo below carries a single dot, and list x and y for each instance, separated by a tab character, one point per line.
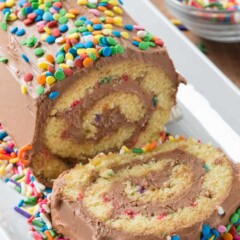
217	20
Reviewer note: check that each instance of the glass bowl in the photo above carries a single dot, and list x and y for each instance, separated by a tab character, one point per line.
216	25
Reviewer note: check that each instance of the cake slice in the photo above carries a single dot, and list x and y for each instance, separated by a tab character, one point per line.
171	191
92	80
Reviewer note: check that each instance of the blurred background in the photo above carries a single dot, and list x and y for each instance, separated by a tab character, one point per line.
226	56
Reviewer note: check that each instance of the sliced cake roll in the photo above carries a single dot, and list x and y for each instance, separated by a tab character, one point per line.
92	79
171	191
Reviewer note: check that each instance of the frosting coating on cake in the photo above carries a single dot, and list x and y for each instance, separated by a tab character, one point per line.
174	189
21	55
96	80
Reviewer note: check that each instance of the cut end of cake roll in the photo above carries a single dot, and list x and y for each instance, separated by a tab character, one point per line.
123	100
171	190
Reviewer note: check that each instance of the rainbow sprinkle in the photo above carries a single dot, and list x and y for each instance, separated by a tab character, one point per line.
35	204
230	5
80	41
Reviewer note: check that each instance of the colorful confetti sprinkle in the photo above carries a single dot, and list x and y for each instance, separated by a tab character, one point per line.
202	47
3	59
230	5
79	41
35	205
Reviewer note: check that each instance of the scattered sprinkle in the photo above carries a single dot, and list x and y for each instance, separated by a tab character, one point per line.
176	22
137	150
87	62
234	218
175	237
221	229
129	27
143	45
14	30
24	89
59	75
202	48
105	80
154	101
53	95
182	28
38	52
40	90
50	80
50	39
25	58
3	59
3	26
28	77
206	167
220	211
20	32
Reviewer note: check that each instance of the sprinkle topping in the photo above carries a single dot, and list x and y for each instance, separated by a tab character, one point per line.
3	59
213	4
80	41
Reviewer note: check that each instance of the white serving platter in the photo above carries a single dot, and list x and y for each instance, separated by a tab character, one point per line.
210	109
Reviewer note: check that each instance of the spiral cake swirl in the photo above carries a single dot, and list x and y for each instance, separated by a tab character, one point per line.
101	113
173	189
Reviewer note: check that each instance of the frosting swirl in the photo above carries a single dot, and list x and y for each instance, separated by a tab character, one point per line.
172	190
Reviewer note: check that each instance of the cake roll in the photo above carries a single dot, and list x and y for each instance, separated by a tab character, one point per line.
79	78
179	190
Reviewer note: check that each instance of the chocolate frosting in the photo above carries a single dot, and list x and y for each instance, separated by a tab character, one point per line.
73	220
111	119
